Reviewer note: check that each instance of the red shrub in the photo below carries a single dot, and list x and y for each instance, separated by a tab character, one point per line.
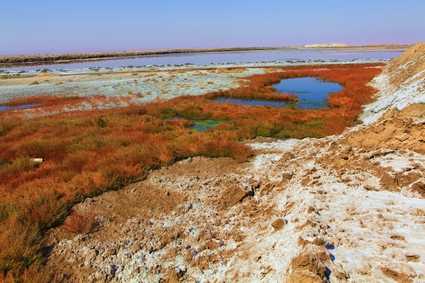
80	223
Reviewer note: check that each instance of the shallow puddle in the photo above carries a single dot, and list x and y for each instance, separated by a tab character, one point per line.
204	125
4	108
312	93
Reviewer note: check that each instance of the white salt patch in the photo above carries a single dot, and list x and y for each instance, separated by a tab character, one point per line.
410	92
264	161
400	163
283	146
364	223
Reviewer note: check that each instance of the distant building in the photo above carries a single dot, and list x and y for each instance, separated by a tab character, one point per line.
325	45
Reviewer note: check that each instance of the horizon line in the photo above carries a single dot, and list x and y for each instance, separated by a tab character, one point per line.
171	50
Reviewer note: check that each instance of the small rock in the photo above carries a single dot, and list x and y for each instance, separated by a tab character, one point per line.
36	161
330	246
181	271
278	224
370	188
403	137
419	188
114	269
318	242
397	237
413	257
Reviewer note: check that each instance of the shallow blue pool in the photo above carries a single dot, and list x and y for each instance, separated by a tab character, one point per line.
16	107
312	93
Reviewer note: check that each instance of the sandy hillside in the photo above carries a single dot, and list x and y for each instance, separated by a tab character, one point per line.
403	68
401	84
347	208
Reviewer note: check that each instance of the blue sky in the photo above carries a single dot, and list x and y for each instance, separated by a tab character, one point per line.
55	26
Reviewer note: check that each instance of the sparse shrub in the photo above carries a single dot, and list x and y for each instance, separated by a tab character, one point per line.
6	125
44	148
80	223
5	211
168	113
263	132
101	122
17	166
77	160
193	112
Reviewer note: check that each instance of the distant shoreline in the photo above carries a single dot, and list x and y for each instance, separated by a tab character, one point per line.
34	60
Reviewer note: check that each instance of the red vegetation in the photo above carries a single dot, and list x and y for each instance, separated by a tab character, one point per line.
84	154
79	224
88	153
259	86
44	101
344	106
48	105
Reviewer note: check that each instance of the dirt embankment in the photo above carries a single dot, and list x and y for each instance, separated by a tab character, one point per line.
402	83
346	208
410	64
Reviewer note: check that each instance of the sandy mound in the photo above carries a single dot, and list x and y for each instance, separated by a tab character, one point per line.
401	84
410	64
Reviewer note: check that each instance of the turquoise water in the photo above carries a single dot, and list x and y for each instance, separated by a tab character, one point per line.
204	125
312	93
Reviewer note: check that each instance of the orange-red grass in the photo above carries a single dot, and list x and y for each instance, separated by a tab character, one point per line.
84	154
44	101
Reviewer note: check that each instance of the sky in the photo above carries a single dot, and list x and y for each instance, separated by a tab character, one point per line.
56	26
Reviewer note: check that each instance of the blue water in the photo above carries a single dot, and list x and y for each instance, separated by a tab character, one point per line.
251	102
4	108
280	55
312	93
